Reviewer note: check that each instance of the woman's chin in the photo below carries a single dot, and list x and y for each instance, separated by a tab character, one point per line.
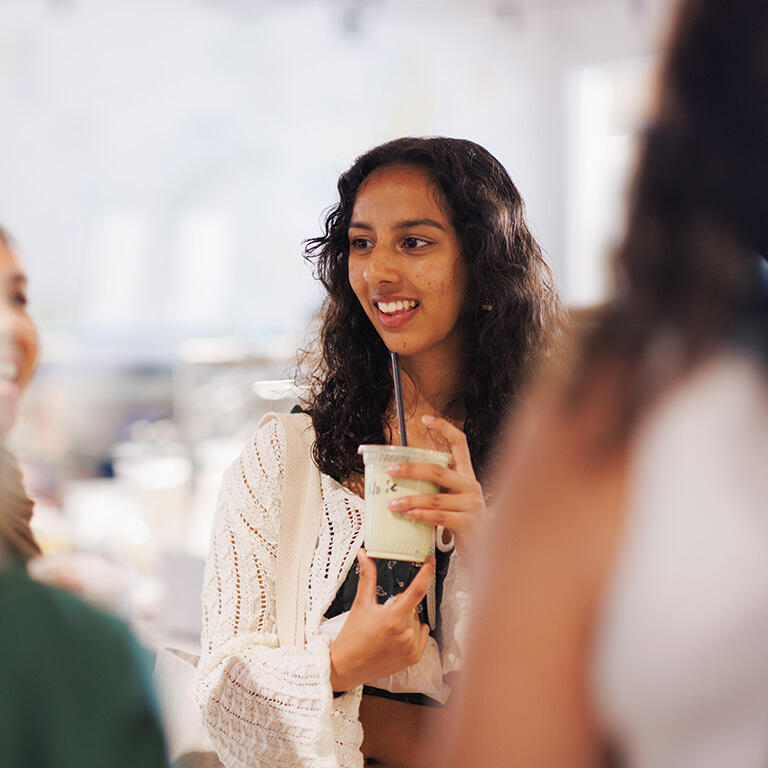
395	342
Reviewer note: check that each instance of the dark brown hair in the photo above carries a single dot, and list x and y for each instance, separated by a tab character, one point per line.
688	266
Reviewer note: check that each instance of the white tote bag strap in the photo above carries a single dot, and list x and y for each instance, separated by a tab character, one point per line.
300	514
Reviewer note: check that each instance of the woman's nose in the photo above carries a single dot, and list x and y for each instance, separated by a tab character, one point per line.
381	267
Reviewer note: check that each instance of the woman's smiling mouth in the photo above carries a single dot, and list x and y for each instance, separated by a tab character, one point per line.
394	312
392	307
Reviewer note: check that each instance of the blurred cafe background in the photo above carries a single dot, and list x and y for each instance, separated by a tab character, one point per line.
161	162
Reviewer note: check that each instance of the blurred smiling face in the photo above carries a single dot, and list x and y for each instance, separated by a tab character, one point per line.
405	265
18	337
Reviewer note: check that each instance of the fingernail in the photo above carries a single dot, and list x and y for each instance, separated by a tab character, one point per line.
393	468
428	418
396	503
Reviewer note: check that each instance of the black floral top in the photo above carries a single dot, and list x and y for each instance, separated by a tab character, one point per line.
393	577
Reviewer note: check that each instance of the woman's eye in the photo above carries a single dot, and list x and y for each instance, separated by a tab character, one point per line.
19	299
360	243
414	242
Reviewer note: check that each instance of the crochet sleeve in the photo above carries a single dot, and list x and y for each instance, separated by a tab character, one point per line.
263	705
454	614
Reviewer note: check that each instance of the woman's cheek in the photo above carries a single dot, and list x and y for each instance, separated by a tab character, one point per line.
29	343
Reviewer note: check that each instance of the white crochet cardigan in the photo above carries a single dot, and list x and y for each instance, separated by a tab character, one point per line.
270	706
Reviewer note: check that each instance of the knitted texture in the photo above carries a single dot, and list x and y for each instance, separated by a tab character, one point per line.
265	705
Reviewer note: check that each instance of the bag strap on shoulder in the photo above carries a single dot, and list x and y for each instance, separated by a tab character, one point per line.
300	515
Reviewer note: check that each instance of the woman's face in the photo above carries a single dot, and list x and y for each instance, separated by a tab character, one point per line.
18	337
405	265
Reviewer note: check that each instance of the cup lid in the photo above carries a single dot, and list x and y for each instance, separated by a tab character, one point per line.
379	454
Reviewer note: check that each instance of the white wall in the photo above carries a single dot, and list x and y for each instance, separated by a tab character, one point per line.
162	161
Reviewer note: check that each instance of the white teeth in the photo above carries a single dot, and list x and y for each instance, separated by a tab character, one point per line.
395	306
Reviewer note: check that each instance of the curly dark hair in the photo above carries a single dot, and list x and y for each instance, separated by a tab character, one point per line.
510	313
688	268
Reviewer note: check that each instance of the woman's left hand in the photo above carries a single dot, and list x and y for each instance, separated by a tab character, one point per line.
459	506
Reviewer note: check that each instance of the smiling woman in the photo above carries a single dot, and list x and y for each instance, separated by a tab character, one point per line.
61	662
18	335
426	254
18	356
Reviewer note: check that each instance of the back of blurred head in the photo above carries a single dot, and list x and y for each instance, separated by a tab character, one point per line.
707	154
698	220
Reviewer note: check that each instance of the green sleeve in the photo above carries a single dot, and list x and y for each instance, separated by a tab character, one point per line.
76	687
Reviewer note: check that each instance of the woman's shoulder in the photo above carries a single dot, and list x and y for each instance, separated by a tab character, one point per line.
39	609
709	431
99	675
287	426
728	391
277	437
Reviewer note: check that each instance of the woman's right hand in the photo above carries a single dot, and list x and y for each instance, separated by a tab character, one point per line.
380	640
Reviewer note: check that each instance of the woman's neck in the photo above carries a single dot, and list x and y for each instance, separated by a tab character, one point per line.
427	391
432	378
434	398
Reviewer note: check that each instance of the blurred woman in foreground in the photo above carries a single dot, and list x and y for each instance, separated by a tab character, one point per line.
625	609
75	686
18	358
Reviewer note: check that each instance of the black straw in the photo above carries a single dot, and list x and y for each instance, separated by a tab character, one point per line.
398	397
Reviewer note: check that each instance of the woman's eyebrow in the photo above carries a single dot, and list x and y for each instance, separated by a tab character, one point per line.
419	223
401	224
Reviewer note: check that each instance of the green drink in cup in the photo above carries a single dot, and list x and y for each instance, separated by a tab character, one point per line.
389	534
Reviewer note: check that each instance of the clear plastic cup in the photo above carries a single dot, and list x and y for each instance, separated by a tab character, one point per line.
389	534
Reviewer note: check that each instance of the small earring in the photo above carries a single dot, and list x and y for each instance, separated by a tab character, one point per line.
486	306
